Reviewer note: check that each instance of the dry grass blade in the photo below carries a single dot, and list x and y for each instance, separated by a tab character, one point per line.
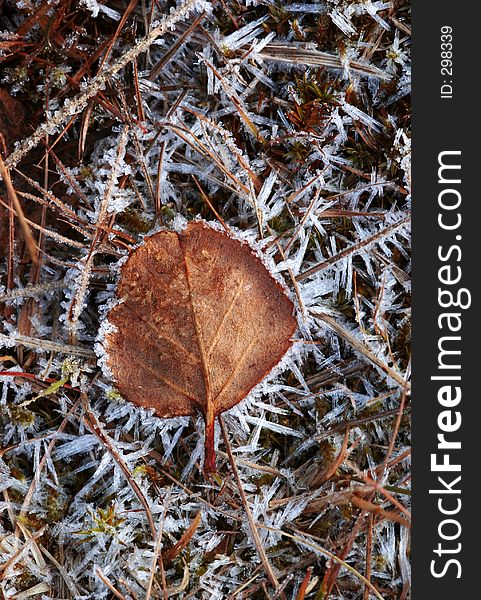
157	556
38	473
29	239
332	468
252	524
301	54
375	509
170	554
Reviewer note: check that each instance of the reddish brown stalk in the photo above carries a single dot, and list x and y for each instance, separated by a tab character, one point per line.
255	534
368	555
211	206
29	239
169	555
301	594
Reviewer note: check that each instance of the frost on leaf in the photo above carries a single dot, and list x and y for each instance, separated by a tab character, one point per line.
200	323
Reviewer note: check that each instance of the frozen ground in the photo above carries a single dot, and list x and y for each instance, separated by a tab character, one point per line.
290	122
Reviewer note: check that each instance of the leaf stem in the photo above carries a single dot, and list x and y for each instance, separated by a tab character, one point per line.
209	456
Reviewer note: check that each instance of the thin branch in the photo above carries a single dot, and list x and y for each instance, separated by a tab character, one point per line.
252	524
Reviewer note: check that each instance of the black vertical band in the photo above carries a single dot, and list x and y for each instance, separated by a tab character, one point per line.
446	242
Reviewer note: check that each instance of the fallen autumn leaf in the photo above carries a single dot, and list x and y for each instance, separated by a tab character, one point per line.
200	323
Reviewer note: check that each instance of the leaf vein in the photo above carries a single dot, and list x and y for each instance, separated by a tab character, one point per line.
238	365
197	330
163	379
216	336
154	329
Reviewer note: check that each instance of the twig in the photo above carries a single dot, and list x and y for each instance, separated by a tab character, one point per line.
77	304
329	262
253	527
106	581
301	54
29	239
30	291
45	345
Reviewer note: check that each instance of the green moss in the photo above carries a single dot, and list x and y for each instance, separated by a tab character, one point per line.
21	416
133	220
104	521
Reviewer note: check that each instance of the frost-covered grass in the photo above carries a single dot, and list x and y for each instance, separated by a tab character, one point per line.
291	123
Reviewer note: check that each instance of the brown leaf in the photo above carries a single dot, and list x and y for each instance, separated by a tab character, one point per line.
201	323
169	555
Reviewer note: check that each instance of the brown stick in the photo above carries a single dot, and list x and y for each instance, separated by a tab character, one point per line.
29	239
209	452
255	534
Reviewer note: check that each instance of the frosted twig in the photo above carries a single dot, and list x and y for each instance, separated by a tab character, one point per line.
47	232
45	345
30	291
78	300
303	55
255	534
79	102
389	230
362	349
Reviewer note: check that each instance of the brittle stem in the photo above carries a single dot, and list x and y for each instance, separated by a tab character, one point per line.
209	455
